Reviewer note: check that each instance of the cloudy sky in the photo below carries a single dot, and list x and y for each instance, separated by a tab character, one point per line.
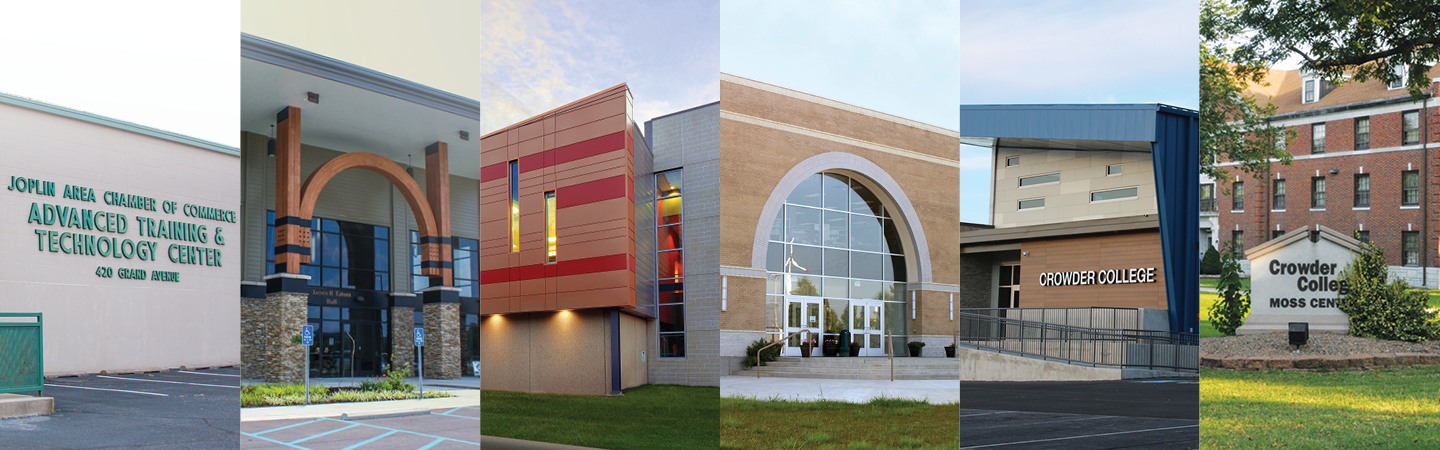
900	58
1071	51
152	62
538	55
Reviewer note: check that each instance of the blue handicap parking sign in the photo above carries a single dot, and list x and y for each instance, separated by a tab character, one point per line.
419	337
307	335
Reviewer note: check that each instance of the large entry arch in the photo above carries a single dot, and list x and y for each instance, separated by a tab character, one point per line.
842	247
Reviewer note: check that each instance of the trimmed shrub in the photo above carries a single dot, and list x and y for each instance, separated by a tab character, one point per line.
1210	264
1383	308
768	355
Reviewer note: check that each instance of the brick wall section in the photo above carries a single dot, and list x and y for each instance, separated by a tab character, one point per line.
1385	219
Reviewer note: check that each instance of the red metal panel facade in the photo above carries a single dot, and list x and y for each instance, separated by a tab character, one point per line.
582	152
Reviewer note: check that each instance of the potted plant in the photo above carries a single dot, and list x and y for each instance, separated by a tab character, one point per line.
915	347
855	346
950	350
805	346
832	347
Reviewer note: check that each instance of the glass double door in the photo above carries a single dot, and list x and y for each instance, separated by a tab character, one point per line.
349	342
826	318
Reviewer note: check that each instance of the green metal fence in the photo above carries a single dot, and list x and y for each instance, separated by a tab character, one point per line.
22	354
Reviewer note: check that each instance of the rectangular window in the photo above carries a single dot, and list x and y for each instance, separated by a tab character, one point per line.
465	260
1114	194
1362	133
1278	202
1113	169
1410	248
1207	197
1032	203
1362	190
1237	196
1012	161
1363	235
1410	188
1276	234
670	247
1317	193
515	206
550	227
1317	138
1402	76
1310	91
1040	179
1237	241
1410	128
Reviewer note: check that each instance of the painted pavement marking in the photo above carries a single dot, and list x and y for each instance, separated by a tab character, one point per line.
1002	444
172	382
103	389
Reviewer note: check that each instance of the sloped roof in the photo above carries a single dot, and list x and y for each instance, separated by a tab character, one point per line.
1284	86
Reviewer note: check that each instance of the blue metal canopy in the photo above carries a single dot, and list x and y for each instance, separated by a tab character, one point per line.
1174	137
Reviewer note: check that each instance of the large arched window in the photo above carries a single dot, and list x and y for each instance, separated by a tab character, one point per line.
836	262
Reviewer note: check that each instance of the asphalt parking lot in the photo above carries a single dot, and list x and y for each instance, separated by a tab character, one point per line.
1130	414
452	428
159	410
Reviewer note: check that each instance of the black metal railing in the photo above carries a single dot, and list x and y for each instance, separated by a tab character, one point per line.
1107	347
1084	316
1207	205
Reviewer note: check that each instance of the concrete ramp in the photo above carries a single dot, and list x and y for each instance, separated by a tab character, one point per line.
980	365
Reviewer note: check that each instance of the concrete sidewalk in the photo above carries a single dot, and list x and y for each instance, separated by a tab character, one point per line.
853	391
462	398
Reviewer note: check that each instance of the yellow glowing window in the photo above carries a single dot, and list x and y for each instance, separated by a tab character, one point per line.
514	206
550	227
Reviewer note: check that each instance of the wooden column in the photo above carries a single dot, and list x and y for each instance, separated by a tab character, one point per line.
292	235
437	190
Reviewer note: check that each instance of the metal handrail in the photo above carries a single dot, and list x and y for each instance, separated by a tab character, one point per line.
1114	347
890	350
759	363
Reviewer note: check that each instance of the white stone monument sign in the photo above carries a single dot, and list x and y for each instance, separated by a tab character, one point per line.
1296	278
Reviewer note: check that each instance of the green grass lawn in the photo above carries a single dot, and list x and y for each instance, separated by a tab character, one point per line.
646	417
1392	408
827	425
1210	282
1434	296
1207	299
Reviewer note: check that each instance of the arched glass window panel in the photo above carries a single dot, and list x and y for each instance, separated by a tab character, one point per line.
865	233
802	225
862	201
807	193
837	191
836	229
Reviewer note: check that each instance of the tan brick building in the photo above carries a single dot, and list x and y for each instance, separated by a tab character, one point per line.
834	219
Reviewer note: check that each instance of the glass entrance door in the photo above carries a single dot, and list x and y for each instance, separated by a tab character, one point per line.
866	327
801	313
1009	287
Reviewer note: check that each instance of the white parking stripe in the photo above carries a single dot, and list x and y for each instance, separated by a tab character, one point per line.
171	382
212	374
1080	437
100	389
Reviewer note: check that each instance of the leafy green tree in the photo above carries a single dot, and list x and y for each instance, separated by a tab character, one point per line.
805	287
1210	264
1233	126
1363	38
1382	308
1228	313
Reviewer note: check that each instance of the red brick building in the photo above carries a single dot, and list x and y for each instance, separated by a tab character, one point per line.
1364	161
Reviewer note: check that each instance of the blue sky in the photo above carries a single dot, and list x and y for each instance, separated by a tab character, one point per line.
1070	51
900	58
538	55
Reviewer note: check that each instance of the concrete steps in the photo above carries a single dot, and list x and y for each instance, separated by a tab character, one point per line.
15	405
859	368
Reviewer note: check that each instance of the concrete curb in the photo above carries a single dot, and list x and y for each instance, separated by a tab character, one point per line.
1315	363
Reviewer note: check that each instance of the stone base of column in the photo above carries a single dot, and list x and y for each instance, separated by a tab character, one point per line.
402	346
442	341
268	327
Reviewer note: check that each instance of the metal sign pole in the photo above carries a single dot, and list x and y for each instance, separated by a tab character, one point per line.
420	350
307	338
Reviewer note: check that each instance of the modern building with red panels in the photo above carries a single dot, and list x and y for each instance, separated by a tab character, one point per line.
564	306
1364	162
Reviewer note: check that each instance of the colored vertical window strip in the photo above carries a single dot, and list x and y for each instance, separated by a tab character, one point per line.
514	206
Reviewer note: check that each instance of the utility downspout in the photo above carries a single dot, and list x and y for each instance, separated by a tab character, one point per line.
1425	188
